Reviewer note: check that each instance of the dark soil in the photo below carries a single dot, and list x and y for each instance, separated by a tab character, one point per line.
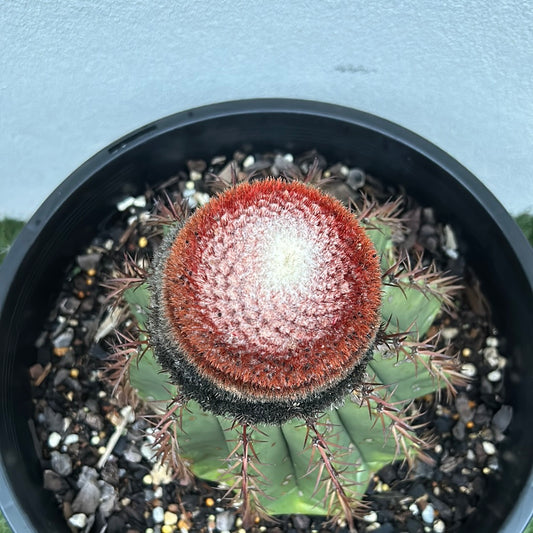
76	414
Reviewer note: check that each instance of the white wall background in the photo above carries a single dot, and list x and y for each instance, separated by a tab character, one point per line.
76	75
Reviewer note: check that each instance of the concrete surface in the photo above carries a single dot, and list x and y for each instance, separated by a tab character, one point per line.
75	76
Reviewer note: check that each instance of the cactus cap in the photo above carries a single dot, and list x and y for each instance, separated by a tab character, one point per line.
266	301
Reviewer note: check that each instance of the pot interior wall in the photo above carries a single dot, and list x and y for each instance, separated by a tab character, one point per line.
56	233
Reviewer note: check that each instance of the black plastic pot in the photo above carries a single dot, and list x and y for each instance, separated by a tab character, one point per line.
32	273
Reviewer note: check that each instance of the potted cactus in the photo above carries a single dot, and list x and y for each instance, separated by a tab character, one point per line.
295	330
294	325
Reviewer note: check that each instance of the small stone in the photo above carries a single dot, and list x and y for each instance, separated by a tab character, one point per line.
502	418
371	517
493	463
88	262
449	334
147	479
64	339
356	178
142	242
467	352
492	342
158	514
54	439
93	420
147	451
248	162
87	499
462	405
194	175
224	521
88	474
61	463
469	370
494	376
201	198
78	520
140	201
170	518
54	482
459	430
36	371
491	356
439	526
488	447
300	521
167	529
161	474
108	498
132	454
72	438
428	514
126	203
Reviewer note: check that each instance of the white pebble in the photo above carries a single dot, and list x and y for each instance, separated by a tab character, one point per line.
494	376
449	333
469	370
54	439
158	514
140	201
71	439
489	448
371	517
189	185
195	175
248	161
288	157
201	198
124	204
439	526
428	514
170	518
78	520
491	356
95	440
158	492
492	341
414	509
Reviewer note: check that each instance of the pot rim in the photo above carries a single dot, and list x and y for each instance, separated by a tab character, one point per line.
522	511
